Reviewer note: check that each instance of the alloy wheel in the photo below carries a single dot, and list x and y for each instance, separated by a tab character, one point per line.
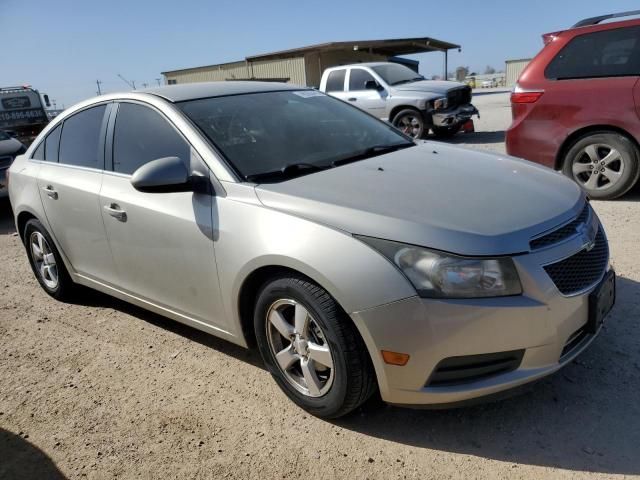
44	260
410	125
598	166
299	347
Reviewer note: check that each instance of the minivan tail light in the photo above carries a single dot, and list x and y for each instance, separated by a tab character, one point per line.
520	95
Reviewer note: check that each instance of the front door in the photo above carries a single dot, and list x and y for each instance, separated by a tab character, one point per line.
368	99
162	243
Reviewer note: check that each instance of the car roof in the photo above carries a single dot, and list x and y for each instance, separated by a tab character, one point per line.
364	64
192	91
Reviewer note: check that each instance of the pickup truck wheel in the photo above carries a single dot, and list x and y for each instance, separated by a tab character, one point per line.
409	122
604	164
446	132
311	347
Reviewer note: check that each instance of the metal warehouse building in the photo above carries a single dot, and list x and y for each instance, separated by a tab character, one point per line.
304	66
513	69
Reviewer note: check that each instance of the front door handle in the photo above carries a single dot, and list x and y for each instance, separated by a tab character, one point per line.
115	211
50	191
352	99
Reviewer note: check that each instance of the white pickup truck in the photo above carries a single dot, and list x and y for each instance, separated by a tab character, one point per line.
397	94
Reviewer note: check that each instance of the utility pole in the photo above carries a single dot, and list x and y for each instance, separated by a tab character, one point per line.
98	82
158	80
131	83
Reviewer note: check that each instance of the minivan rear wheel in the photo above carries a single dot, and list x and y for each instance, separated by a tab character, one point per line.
604	164
311	347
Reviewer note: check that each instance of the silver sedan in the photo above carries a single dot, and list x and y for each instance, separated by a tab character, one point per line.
354	258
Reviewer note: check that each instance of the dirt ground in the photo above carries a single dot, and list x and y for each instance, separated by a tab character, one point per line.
101	389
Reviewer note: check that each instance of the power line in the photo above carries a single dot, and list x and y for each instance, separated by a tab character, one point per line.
131	83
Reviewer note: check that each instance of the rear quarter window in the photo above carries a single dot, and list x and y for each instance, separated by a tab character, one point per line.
609	53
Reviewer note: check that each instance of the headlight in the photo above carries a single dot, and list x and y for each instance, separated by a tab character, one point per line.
442	275
440	103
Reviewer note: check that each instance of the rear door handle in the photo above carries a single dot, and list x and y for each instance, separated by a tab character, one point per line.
115	211
50	191
352	99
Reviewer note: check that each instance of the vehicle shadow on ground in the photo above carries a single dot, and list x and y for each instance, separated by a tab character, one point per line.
92	298
584	418
6	217
478	138
20	459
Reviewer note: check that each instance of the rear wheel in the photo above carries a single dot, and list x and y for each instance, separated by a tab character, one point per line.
46	262
410	122
446	132
604	164
311	348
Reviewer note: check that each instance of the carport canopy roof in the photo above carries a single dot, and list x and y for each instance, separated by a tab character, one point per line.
390	47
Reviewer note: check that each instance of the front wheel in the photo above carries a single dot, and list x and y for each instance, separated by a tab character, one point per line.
604	164
410	122
311	348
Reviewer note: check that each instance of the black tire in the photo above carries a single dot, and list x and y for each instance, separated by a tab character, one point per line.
65	288
353	380
410	122
446	132
596	146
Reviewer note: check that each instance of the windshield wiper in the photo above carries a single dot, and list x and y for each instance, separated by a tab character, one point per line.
408	80
371	152
290	170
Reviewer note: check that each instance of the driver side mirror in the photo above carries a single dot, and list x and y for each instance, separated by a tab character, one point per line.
372	85
163	175
46	100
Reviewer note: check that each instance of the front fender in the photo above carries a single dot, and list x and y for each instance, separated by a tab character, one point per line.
252	236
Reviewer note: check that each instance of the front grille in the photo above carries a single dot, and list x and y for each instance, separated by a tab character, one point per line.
562	233
574	340
581	270
470	368
5	162
458	97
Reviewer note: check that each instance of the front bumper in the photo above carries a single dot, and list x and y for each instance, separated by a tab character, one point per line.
453	117
546	328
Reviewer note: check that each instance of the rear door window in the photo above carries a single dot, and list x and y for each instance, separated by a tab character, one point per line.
610	53
141	135
358	79
80	141
335	81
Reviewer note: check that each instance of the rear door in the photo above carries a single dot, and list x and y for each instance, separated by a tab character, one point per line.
335	85
162	243
369	100
69	182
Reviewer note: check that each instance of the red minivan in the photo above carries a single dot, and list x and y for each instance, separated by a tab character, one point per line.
576	106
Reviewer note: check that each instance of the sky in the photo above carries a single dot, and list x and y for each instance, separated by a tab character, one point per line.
61	47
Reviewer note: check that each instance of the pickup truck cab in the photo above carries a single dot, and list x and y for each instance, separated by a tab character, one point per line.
399	95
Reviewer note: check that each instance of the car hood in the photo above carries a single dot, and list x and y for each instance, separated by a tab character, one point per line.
434	195
431	86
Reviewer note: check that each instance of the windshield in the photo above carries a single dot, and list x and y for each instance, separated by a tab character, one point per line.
395	74
268	132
